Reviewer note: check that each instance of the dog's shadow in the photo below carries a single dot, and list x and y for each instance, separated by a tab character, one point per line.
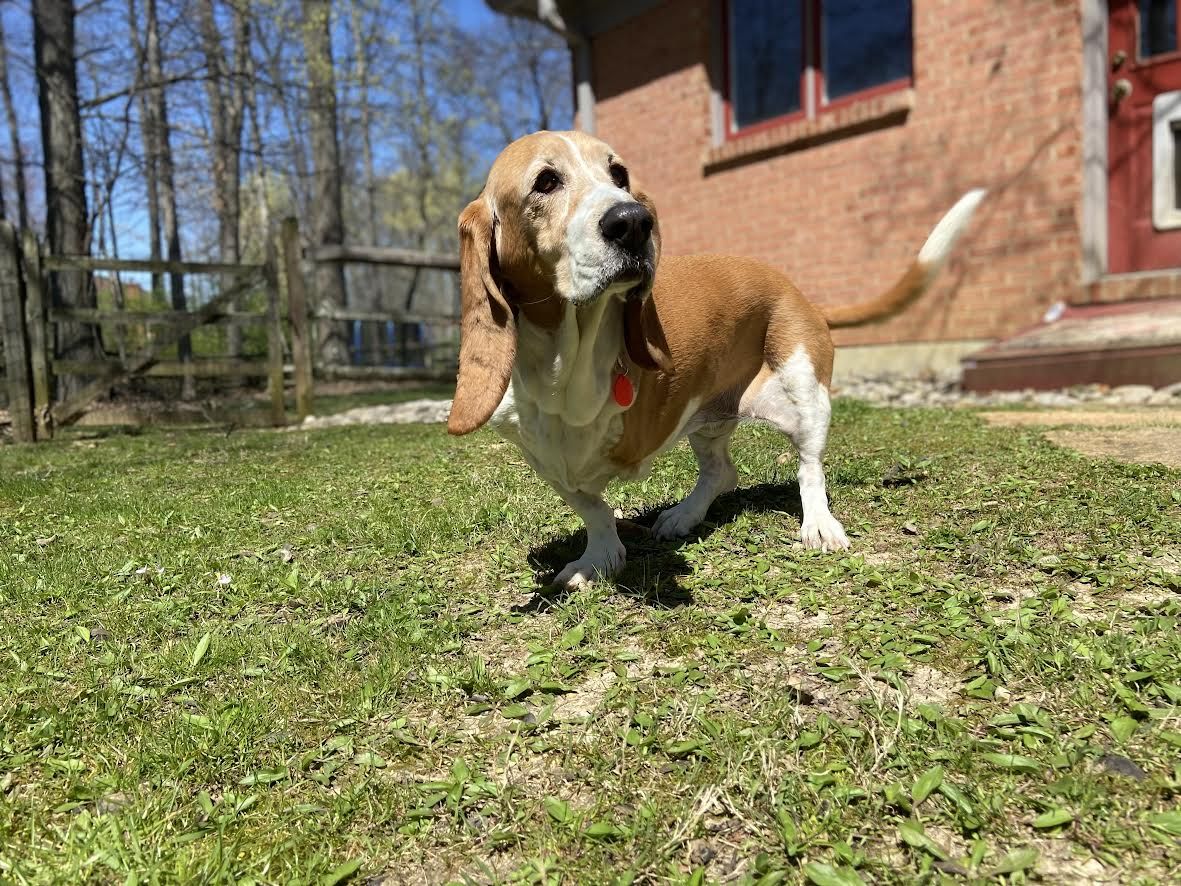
654	567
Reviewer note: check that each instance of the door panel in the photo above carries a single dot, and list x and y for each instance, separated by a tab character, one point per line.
1144	136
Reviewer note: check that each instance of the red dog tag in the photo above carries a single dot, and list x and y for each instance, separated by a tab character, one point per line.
624	391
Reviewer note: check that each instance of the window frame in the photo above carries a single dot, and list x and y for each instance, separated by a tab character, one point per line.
1141	59
813	98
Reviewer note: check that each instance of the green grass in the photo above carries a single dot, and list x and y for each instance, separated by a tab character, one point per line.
304	657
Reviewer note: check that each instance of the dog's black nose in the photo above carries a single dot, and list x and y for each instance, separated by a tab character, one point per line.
628	225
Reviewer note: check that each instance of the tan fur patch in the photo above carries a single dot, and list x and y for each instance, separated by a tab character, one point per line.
725	320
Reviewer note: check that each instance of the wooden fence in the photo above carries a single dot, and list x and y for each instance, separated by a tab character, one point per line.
28	322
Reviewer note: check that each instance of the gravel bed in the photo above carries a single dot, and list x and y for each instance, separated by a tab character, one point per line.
944	390
896	391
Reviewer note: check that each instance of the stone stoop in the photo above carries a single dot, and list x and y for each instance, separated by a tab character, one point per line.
1132	343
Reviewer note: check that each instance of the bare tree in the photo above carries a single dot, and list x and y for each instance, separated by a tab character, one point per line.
530	84
371	276
327	208
18	154
148	134
273	35
159	167
225	87
65	177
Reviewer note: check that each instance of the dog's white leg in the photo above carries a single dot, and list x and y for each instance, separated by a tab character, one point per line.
711	445
605	554
794	400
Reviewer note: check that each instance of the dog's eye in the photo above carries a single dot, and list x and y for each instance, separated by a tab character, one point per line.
547	182
619	176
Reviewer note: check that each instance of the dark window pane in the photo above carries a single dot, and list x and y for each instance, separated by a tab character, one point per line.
1158	27
1175	130
766	58
866	43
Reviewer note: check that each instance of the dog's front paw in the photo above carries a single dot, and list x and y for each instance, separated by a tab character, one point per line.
598	562
676	522
824	534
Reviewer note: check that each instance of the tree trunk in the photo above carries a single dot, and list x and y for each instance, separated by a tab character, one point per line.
373	299
327	204
274	66
162	162
225	89
148	133
65	178
18	154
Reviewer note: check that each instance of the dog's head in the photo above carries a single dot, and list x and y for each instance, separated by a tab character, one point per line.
559	223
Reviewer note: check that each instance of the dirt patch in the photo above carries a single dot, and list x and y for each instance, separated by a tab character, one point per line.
1061	861
1091	418
1095	605
782	615
930	686
1146	446
1167	559
1138	436
586	698
882	558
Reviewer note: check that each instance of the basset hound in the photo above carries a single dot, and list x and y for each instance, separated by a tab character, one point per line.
594	354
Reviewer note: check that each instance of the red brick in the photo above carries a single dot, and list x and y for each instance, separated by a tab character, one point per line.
996	103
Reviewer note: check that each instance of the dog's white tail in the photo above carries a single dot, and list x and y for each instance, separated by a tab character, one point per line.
922	271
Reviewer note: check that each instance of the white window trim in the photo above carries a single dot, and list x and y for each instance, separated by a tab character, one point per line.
1166	119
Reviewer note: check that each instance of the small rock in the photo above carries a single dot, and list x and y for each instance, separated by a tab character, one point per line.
702	854
1130	394
1053	398
111	803
1117	765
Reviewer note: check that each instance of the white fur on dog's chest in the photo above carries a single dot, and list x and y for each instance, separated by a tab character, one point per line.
573	457
558	407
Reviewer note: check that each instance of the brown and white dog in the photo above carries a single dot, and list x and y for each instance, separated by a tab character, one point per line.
593	354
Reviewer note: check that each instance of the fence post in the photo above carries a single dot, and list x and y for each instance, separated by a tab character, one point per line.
16	352
274	335
37	319
297	309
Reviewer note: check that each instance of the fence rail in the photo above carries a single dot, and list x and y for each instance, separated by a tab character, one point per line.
94	263
384	255
125	317
27	323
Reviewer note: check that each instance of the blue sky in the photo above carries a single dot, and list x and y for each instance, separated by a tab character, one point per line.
471	13
100	20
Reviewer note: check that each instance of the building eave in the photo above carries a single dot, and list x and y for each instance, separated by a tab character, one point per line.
588	18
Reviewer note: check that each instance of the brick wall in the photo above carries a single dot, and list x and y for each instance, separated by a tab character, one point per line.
996	102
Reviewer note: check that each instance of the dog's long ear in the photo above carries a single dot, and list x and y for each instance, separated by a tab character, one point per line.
642	333
644	336
488	330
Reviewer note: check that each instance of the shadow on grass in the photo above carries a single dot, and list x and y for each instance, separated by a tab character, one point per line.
654	566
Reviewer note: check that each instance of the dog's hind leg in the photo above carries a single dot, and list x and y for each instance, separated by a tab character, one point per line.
711	445
793	399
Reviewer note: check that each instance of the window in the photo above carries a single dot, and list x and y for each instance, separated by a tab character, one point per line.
798	56
1158	27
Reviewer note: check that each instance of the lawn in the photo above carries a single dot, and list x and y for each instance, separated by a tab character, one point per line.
313	656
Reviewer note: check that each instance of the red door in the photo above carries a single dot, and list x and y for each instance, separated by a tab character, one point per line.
1144	136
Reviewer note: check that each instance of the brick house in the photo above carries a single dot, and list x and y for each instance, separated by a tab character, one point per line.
827	136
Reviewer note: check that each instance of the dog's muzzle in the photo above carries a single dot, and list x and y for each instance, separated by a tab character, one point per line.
628	226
